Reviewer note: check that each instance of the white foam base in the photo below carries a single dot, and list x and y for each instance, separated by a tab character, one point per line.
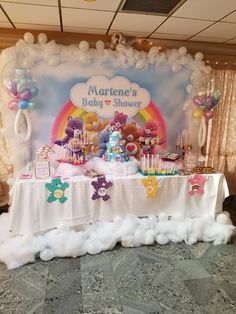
130	231
115	167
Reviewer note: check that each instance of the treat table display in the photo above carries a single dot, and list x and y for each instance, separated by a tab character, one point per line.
41	205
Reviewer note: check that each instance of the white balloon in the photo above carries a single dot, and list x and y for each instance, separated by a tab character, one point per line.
176	67
42	38
161	239
54	60
182	51
189	88
140	64
29	38
47	255
208	69
198	56
222	219
27	62
84	46
120	47
153	51
100	45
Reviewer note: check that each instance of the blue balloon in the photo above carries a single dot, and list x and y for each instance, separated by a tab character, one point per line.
34	91
23	104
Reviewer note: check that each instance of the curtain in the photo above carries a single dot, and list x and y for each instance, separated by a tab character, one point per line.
221	142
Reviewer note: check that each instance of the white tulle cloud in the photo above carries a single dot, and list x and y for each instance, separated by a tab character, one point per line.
130	231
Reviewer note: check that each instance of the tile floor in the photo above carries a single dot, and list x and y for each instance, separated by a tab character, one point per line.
175	278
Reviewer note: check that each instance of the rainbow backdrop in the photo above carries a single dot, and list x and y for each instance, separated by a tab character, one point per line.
141	118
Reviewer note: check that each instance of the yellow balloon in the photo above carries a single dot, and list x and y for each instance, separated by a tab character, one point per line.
197	114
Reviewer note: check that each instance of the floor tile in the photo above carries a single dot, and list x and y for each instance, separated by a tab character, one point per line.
106	302
29	307
191	269
67	304
93	262
97	281
64	278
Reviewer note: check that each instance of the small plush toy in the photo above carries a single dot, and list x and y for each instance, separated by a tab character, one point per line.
57	189
119	121
197	182
131	135
102	143
151	186
150	129
101	185
73	124
93	124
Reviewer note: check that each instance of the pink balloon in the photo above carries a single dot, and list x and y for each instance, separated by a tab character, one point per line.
209	114
12	87
198	100
26	95
13	105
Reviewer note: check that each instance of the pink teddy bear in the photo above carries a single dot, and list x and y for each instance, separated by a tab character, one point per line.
197	182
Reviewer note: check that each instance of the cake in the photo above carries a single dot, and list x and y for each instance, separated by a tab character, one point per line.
115	148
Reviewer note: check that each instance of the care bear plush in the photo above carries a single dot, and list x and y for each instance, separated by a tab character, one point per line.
73	125
93	124
119	121
102	143
131	136
150	129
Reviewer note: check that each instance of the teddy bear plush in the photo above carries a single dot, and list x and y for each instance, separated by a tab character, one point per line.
73	124
93	124
131	136
119	121
102	143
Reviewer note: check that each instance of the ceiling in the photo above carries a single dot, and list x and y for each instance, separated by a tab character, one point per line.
212	21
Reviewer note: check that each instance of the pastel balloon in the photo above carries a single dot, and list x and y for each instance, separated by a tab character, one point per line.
34	91
13	105
12	87
32	105
198	100
23	104
209	114
216	93
26	94
197	114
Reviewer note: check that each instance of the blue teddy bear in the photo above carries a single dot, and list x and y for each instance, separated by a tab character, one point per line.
102	143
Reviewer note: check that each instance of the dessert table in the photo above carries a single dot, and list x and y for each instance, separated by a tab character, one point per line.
32	212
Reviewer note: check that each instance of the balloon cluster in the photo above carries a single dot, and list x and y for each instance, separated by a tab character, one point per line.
22	89
205	103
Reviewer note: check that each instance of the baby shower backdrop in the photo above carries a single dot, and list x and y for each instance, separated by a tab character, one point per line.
73	80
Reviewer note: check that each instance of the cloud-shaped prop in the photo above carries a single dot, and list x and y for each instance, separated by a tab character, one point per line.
105	96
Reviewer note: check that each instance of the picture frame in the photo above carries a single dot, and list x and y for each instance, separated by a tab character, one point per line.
42	169
190	160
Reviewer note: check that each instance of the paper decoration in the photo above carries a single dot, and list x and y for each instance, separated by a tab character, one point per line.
42	169
57	189
151	186
196	182
101	186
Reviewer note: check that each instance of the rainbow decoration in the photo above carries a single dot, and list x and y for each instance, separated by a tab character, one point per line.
141	118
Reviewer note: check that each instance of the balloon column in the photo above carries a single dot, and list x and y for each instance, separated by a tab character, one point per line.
205	104
204	111
22	89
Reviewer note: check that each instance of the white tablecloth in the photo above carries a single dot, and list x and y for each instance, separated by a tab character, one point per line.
30	212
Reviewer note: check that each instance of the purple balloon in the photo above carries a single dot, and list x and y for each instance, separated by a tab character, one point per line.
209	114
12	87
198	100
13	105
34	91
209	102
26	95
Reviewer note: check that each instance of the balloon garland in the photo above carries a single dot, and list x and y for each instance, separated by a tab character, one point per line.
204	111
22	89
